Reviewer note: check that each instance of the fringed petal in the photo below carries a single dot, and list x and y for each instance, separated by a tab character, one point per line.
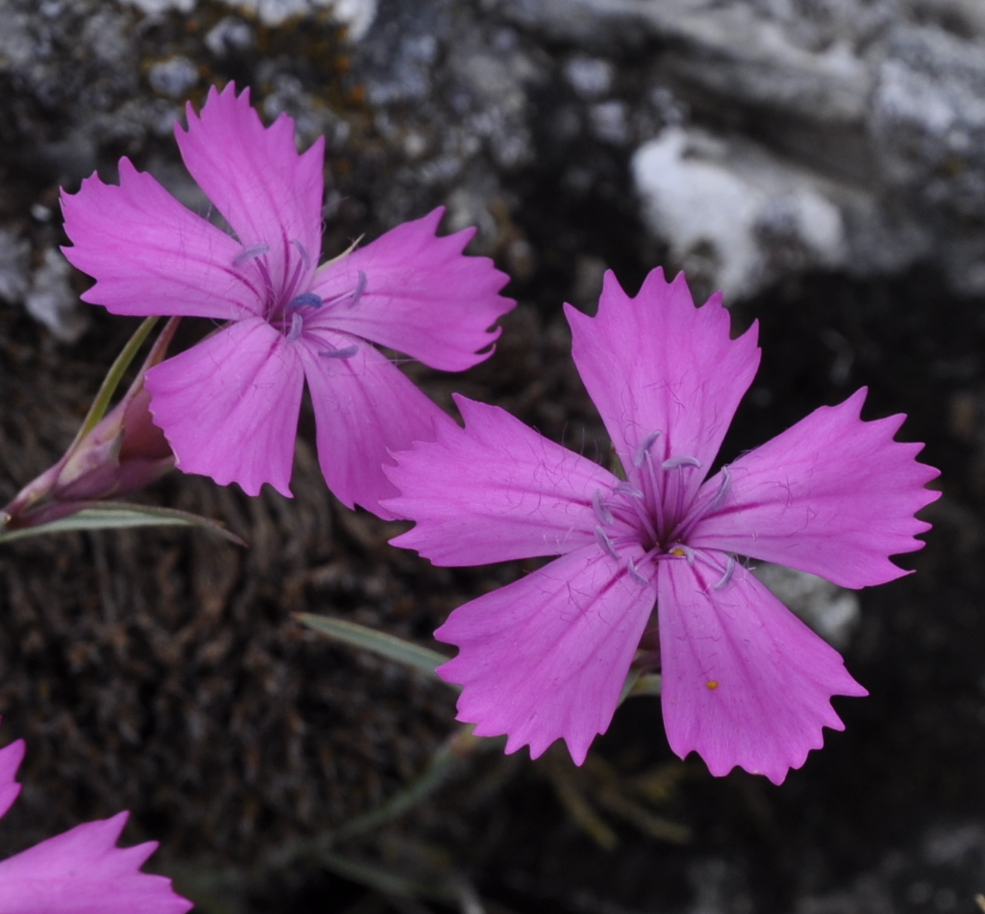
417	293
745	682
546	657
229	406
833	495
496	491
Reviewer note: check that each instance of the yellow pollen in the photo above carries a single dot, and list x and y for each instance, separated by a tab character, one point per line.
680	552
712	684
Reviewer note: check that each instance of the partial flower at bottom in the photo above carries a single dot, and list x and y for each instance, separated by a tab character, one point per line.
81	871
658	556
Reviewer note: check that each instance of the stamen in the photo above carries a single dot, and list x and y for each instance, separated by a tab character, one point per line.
644	448
258	250
605	544
723	492
657	494
729	571
346	353
360	288
292	283
636	497
303	251
682	460
626	488
634	573
686	552
297	325
265	273
305	299
602	511
684	529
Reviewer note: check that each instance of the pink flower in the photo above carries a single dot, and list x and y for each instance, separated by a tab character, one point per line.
81	871
744	681
229	406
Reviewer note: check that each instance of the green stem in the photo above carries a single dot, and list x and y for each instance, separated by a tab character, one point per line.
114	376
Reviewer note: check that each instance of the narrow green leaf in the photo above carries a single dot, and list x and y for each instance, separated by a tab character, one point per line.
115	374
416	657
118	516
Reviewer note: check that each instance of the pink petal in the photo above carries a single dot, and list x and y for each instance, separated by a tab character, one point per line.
253	174
496	491
421	295
657	363
149	254
547	656
833	495
365	407
83	872
10	759
745	682
229	406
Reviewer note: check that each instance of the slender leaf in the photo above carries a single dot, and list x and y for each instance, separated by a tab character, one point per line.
422	659
119	516
115	374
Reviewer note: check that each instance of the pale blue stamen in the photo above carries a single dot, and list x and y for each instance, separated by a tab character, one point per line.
303	251
636	498
605	544
656	491
722	493
709	507
297	325
634	573
643	450
626	488
258	250
346	353
727	576
360	288
305	299
602	511
673	463
355	294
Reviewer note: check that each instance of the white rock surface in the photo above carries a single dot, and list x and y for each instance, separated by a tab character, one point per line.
722	205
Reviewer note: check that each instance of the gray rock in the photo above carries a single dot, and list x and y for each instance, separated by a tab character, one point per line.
173	77
14	276
831	611
882	98
51	300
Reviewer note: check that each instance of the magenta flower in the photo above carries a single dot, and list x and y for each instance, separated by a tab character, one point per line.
229	406
81	871
744	681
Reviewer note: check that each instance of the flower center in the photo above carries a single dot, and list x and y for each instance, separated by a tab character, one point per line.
285	299
658	511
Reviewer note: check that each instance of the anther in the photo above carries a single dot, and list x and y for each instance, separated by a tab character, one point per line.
682	460
258	250
729	571
605	544
602	511
634	573
644	448
685	552
723	491
360	288
305	299
303	251
626	488
346	353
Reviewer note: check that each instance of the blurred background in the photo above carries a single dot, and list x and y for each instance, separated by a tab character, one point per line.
822	161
